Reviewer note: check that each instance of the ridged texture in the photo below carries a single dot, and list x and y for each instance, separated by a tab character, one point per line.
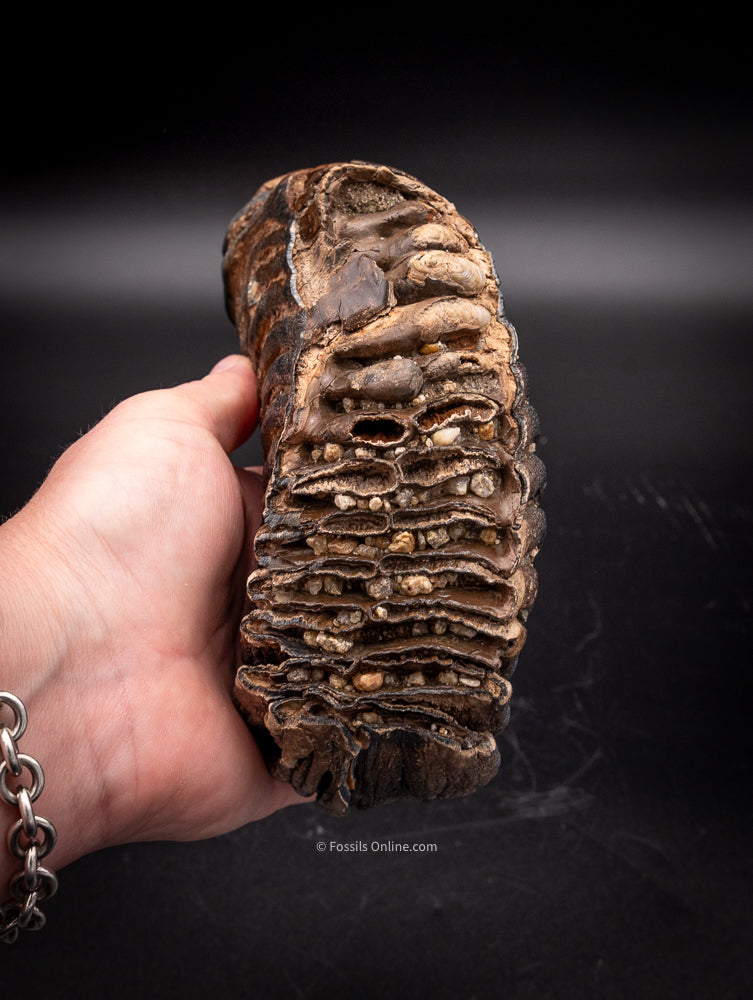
395	561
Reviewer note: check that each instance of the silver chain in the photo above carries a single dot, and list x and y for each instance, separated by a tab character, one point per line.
30	837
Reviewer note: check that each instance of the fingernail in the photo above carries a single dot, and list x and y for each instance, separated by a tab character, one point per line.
224	363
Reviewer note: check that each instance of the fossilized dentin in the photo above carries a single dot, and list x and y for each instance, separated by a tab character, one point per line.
395	561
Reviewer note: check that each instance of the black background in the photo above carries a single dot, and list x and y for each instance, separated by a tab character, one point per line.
609	174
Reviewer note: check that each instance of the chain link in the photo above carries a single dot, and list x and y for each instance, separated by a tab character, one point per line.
30	837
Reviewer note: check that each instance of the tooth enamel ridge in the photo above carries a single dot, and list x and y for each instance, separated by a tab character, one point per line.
395	558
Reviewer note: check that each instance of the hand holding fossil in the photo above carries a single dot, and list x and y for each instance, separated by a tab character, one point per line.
121	587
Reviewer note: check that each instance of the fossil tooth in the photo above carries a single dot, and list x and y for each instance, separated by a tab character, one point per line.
441	271
397	380
401	519
411	326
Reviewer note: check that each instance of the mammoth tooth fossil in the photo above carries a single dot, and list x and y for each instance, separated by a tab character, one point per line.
395	559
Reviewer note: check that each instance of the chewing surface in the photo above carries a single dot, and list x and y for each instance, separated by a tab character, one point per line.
395	560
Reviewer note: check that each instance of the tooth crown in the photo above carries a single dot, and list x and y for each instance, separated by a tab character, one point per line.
395	559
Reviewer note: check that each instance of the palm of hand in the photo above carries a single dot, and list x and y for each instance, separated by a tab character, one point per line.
152	500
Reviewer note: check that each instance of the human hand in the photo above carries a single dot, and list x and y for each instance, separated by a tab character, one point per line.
121	591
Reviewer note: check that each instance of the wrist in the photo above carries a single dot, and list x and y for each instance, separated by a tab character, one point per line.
38	618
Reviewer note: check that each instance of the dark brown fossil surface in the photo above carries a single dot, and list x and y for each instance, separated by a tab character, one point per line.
395	560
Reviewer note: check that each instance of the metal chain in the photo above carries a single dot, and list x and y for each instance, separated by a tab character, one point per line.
31	837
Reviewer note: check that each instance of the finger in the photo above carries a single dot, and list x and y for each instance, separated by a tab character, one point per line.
228	401
252	491
235	400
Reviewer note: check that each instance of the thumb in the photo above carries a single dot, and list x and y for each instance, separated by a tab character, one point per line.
228	400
